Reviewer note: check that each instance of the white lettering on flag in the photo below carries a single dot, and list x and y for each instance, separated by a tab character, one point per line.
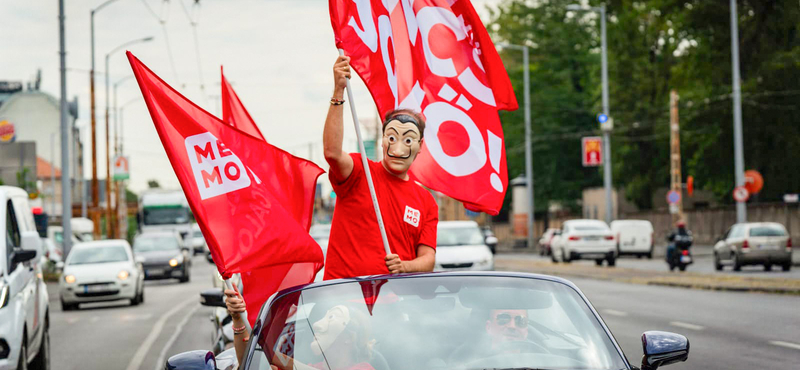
217	170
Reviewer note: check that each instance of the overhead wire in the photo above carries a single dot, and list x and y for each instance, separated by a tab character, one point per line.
193	22
162	20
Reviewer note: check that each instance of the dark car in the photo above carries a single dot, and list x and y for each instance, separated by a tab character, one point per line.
163	256
453	320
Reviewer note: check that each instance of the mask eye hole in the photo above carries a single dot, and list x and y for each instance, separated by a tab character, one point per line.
392	139
408	141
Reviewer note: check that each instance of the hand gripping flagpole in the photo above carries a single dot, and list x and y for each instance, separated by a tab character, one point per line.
366	166
243	315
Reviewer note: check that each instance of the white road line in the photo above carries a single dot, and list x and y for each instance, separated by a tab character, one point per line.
140	354
163	356
615	312
686	325
785	344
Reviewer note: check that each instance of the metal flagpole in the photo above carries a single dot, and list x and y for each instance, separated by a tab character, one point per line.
366	166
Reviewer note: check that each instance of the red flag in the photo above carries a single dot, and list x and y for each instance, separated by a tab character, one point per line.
435	56
234	112
245	194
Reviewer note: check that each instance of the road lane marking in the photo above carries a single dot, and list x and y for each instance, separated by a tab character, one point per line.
615	312
686	325
178	330
785	344
140	354
73	319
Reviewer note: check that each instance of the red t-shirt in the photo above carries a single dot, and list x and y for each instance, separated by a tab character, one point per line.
410	215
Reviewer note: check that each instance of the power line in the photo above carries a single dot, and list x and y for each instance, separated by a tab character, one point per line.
193	21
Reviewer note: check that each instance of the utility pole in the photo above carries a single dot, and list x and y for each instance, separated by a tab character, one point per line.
53	174
95	187
741	207
606	139
66	186
676	182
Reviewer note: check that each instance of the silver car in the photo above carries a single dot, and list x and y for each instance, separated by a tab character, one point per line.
754	243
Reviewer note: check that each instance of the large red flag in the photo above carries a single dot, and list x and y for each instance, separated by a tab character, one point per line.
245	194
435	56
234	112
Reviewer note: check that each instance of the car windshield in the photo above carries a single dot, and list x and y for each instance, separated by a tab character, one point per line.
166	215
446	322
767	231
462	235
155	243
105	254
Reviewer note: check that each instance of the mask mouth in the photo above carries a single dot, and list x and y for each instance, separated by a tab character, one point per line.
389	154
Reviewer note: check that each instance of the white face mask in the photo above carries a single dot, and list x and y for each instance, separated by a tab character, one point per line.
328	328
401	144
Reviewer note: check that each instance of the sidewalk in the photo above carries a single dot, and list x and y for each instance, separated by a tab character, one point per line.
635	276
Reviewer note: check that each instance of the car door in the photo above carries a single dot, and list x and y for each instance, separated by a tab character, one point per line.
734	240
24	220
720	247
19	274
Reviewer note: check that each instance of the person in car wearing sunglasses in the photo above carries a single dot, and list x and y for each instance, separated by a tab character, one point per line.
506	326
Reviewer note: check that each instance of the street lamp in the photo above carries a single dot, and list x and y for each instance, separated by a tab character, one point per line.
528	133
606	141
108	136
95	192
121	122
116	113
738	152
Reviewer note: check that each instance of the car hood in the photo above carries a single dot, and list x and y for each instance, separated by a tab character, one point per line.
462	253
97	272
156	256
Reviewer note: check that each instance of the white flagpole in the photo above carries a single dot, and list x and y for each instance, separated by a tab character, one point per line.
243	315
366	166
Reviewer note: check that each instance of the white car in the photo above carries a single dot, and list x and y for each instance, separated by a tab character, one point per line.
585	239
24	307
634	237
460	245
197	241
100	271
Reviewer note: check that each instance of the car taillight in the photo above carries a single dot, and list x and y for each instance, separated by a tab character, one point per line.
789	244
574	238
745	245
609	237
685	252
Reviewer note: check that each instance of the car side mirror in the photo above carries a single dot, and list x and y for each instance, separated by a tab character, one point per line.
192	360
491	240
31	241
212	298
663	348
21	256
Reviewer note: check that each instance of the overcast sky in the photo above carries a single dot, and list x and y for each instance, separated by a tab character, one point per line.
277	53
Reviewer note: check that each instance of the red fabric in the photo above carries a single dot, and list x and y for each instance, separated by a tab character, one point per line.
355	247
234	112
438	59
246	195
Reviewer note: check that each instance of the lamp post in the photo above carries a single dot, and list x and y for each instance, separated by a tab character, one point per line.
601	10
109	220
738	152
116	113
528	133
122	123
95	190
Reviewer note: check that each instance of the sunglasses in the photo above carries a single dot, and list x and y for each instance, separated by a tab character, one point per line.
504	319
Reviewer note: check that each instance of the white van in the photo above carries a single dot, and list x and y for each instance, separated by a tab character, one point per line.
24	308
634	237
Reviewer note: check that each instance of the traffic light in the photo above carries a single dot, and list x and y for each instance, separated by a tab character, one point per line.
690	185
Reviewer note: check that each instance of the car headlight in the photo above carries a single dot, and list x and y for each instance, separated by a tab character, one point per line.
4	292
485	261
173	262
69	279
123	275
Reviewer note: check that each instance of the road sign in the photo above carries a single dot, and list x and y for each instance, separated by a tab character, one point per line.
673	197
592	151
121	168
602	118
753	181
791	198
740	194
608	125
674	209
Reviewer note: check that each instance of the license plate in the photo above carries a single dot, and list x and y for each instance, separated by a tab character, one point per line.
155	272
95	288
686	259
767	246
591	238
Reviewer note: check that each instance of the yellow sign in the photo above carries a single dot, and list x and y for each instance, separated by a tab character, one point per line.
7	132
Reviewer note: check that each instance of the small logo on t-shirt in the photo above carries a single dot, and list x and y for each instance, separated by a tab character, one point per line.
412	216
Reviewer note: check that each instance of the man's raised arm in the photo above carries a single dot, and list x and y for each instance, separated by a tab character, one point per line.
341	163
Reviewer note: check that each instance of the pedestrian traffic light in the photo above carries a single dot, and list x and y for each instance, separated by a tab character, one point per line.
690	185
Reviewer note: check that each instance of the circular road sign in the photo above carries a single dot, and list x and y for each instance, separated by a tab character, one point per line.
740	194
602	118
753	181
673	197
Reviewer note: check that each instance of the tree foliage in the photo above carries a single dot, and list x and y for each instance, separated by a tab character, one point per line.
654	46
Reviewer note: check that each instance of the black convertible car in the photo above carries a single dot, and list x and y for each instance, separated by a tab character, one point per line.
455	320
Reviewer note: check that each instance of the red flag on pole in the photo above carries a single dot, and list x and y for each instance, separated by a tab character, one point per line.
435	56
234	112
245	194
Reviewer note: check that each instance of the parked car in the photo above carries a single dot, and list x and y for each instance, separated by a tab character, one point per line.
24	303
754	243
100	271
163	255
197	241
544	241
452	320
460	245
585	239
634	237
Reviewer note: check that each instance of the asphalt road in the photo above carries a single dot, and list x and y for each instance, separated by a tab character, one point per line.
726	330
118	336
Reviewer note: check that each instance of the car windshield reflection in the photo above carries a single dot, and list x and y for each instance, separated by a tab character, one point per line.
443	322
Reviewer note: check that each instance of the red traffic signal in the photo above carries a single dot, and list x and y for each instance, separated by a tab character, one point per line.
690	185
